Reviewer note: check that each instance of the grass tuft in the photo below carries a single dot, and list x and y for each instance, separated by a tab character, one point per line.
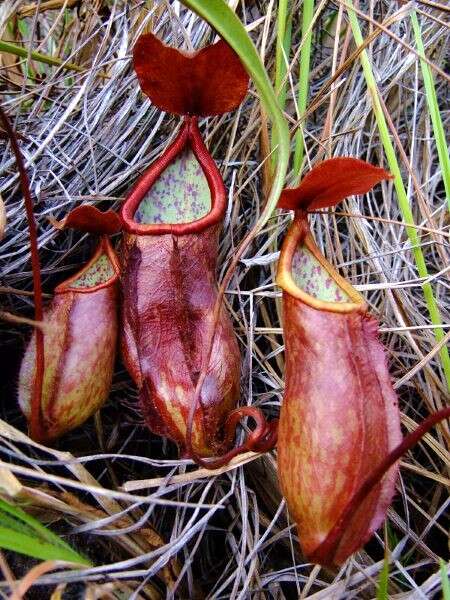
402	196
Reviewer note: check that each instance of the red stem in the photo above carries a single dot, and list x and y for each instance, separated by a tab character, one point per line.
325	553
36	428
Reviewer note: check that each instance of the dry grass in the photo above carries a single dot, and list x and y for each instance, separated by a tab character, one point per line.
86	137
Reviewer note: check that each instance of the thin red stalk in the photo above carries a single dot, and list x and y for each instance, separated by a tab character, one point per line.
36	429
326	551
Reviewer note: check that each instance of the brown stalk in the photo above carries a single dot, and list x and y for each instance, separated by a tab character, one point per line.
28	10
435	5
36	429
11	318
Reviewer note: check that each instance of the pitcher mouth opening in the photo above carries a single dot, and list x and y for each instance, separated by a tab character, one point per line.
154	208
304	273
101	271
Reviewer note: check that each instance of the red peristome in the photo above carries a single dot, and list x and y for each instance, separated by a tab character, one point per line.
90	219
339	419
79	347
210	81
169	293
331	181
189	137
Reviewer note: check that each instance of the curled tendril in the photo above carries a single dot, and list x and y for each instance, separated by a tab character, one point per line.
261	439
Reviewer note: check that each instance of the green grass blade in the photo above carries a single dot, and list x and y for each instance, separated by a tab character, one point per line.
283	48
445	580
303	82
382	587
36	547
287	45
405	208
220	16
43	58
22	533
433	107
280	60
